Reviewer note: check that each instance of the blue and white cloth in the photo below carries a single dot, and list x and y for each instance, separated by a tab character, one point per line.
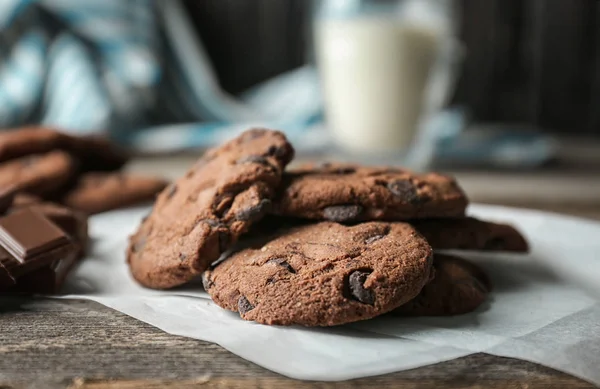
134	69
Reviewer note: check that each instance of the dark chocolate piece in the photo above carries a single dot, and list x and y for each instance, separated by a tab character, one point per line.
47	280
26	233
6	279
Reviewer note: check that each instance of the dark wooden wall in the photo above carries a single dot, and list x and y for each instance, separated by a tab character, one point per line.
528	61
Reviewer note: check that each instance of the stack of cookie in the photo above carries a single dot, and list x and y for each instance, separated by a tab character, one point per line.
63	179
81	172
326	244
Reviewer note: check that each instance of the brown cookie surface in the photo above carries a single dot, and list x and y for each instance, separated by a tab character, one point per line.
99	192
95	153
471	234
39	174
203	213
351	193
458	287
323	274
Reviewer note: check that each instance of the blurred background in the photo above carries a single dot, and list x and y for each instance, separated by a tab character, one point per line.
502	93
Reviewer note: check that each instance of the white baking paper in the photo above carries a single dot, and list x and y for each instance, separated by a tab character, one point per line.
542	308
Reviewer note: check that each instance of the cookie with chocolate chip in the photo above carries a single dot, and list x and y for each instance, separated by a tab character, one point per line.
323	274
199	216
347	193
39	174
458	287
99	192
471	234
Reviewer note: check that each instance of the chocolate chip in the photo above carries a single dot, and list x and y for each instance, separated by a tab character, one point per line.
277	152
254	212
212	223
182	257
259	159
342	213
244	305
140	243
171	190
373	239
224	240
495	244
206	282
405	190
356	282
283	263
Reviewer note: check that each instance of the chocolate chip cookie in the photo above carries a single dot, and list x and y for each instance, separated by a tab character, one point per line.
202	214
94	152
323	274
458	287
471	234
99	192
40	174
350	193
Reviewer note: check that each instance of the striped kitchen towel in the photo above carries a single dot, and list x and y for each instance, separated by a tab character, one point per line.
136	70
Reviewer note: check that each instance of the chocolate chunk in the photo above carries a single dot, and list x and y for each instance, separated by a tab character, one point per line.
171	190
405	190
212	223
356	282
224	239
342	213
206	282
47	280
373	239
6	279
30	243
255	212
26	233
244	305
254	159
277	152
283	263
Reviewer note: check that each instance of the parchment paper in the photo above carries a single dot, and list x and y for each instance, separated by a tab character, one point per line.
544	308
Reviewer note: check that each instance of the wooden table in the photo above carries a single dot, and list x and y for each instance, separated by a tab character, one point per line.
51	344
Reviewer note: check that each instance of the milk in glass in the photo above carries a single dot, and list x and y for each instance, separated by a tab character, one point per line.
375	71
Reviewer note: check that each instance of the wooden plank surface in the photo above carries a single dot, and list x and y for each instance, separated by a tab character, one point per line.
79	344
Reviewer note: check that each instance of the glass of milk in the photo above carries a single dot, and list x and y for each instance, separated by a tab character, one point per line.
384	70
